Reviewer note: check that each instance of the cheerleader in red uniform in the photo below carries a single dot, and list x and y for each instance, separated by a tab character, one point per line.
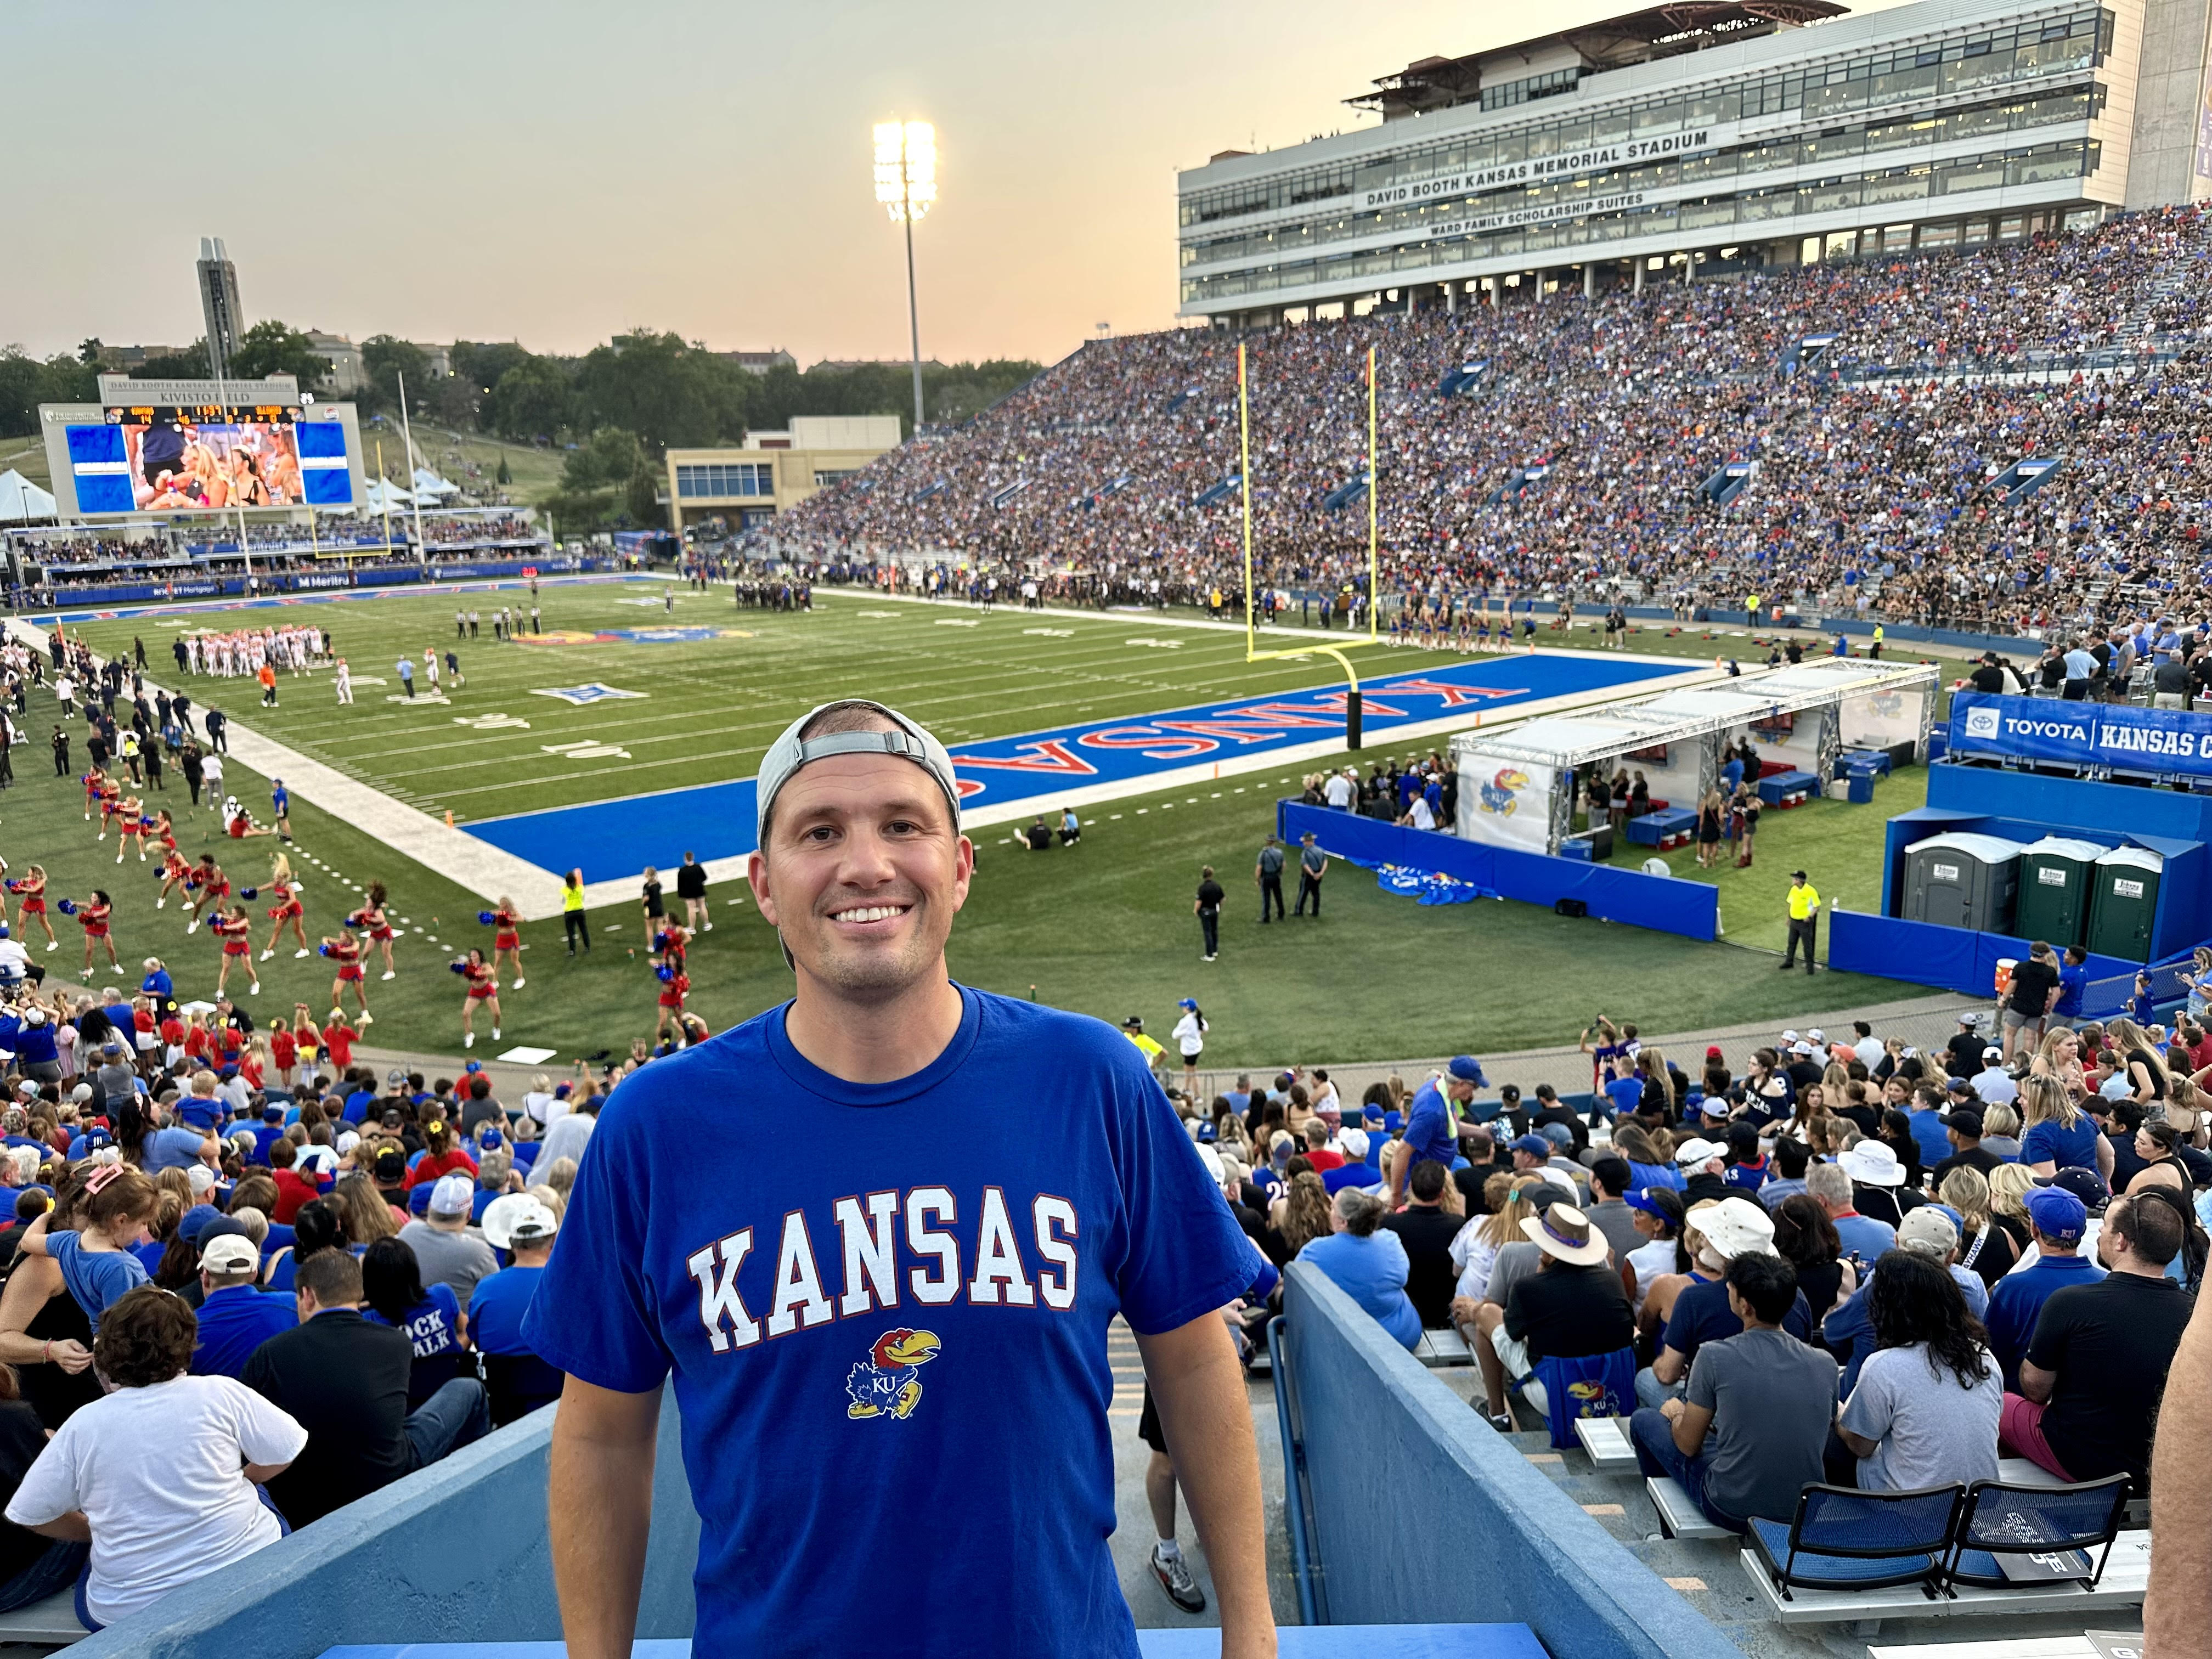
482	980
214	887
235	929
30	888
163	831
176	877
506	940
287	909
372	921
131	827
95	780
92	916
345	950
673	988
111	806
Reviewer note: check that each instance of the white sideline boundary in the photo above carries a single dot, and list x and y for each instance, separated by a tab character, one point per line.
491	873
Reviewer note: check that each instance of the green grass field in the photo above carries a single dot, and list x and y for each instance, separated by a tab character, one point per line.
1105	927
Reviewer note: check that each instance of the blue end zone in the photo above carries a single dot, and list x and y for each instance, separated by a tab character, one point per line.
612	839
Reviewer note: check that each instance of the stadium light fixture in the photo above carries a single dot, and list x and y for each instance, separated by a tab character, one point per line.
905	185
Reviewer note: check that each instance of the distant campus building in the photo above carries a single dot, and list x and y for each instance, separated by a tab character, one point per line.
1685	142
774	471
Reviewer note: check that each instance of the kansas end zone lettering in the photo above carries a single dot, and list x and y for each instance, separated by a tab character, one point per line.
2130	740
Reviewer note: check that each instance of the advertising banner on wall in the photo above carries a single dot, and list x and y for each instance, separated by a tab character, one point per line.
2117	735
1506	804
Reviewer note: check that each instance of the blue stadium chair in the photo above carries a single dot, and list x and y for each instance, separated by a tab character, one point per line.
1603	1385
1998	1519
1843	1539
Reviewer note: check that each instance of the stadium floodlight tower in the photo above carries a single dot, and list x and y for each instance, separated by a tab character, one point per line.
905	184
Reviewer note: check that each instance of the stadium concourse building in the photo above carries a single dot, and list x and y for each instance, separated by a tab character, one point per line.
1704	138
774	470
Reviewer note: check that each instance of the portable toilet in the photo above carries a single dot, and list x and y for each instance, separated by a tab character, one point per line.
2054	877
1962	880
2123	902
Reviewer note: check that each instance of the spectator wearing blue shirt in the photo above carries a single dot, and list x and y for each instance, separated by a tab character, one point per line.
1861	1236
1368	1263
162	1144
430	1319
2072	981
235	1315
1356	1170
2057	1218
2057	1134
157	985
1431	1129
520	1381
1926	1114
1701	1313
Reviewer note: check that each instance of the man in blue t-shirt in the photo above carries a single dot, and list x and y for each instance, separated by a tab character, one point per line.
235	1315
890	1359
1432	1127
2058	1219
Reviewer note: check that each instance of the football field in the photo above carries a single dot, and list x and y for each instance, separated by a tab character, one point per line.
647	725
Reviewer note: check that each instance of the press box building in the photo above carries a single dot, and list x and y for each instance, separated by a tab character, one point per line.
1697	138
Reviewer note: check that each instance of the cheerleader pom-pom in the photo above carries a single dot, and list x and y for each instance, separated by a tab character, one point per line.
665	974
357	919
67	907
323	950
458	965
485	917
249	893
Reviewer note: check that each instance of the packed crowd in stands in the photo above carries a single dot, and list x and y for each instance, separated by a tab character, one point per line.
243	1289
1833	1258
1872	497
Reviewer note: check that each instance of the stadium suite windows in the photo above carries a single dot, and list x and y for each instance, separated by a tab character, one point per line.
1780	132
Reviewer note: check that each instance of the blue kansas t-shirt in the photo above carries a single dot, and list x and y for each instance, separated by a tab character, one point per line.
890	1356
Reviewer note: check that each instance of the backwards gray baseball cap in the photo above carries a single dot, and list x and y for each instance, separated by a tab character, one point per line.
790	751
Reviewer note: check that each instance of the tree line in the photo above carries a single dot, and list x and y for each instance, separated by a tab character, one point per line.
662	390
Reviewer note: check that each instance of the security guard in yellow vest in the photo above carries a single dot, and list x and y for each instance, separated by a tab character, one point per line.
1804	920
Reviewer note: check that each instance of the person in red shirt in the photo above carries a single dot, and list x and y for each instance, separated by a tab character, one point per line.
212	886
111	806
92	915
482	982
287	909
175	1034
339	1039
283	1053
345	950
441	1156
176	877
95	781
30	887
232	926
507	941
1319	1152
133	828
199	1042
164	831
293	1189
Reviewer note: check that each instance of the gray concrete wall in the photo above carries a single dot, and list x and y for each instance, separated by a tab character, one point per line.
1424	1515
2168	78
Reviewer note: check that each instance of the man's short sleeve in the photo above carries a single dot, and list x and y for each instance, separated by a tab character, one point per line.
49	1487
593	1312
2046	1349
1680	1335
1872	1407
1706	1371
1186	1254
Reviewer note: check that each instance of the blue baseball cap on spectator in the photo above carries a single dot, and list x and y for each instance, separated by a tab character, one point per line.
1535	1146
1559	1134
195	1221
1468	1069
1662	1201
2056	1215
1393	1121
418	1198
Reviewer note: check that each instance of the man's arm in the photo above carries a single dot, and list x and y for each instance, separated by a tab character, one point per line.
1669	1366
599	1508
1689	1423
1199	1388
2181	1463
2036	1383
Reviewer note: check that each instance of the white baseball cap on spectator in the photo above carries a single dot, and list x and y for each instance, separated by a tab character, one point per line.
229	1253
454	1195
1695	1151
1354	1143
513	1218
1816	1036
1874	1163
199	1178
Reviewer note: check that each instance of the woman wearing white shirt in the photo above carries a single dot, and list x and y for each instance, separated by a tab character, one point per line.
1190	1038
160	1476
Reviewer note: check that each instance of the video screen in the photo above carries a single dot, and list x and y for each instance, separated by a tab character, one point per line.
178	465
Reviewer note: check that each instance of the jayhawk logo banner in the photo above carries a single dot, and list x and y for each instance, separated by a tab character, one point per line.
1497	795
885	1382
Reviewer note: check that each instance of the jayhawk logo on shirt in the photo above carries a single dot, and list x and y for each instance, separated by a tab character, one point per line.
885	1381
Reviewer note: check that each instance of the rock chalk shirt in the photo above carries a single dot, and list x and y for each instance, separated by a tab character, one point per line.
890	1359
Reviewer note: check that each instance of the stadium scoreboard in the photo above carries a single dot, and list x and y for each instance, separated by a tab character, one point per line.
201	446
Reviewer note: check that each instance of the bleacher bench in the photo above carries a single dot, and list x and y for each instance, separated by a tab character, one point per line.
1680	1516
1444	1348
51	1623
2127	1575
1605	1439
